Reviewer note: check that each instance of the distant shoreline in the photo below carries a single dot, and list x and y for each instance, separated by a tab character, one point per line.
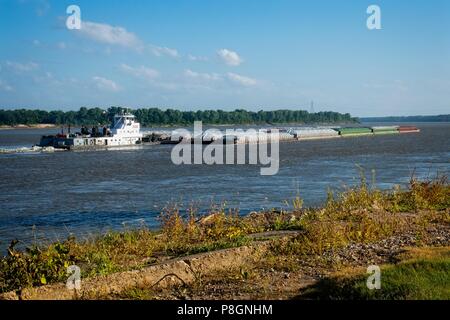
437	118
160	117
50	125
29	126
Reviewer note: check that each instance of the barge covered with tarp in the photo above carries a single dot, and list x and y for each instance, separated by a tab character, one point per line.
385	129
354	131
314	133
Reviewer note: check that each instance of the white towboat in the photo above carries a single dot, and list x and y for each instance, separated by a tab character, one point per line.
124	131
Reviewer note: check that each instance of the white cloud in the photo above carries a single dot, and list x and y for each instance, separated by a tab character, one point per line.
5	87
40	7
140	72
45	78
203	76
231	77
43	7
22	67
116	35
164	51
105	33
242	80
197	58
105	84
231	58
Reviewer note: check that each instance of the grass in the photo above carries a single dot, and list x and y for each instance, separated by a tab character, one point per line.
420	277
363	214
119	251
360	214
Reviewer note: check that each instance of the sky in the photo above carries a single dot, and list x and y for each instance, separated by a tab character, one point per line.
227	54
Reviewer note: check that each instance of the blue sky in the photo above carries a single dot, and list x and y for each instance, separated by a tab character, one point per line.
200	54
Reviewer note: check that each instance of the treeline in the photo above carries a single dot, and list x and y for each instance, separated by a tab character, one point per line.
157	117
438	118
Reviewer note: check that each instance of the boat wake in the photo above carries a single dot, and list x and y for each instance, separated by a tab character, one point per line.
33	149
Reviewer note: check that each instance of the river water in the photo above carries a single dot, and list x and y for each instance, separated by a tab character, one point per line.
47	196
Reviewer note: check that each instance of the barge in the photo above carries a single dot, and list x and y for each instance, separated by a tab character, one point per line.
264	135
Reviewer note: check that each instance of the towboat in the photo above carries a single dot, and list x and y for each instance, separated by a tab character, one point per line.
124	131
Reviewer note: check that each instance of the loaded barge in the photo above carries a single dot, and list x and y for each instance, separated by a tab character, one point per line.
291	134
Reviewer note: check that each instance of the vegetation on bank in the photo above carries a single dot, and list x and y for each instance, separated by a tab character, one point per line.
361	214
158	117
425	275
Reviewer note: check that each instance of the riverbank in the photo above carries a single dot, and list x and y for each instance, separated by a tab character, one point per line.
272	254
29	126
